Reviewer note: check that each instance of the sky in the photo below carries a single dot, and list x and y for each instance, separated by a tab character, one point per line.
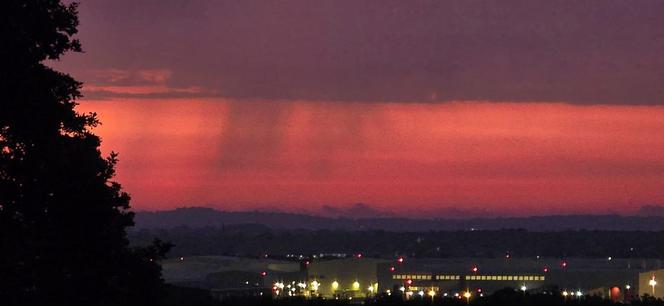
414	108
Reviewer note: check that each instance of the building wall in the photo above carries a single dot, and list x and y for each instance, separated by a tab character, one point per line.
454	275
345	272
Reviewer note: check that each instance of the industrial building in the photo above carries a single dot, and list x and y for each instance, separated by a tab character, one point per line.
617	279
620	279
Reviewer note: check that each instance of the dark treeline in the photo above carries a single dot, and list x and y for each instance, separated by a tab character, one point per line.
254	240
651	218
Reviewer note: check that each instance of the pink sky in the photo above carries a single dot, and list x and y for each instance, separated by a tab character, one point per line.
405	158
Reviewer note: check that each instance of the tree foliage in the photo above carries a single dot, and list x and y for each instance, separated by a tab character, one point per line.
62	219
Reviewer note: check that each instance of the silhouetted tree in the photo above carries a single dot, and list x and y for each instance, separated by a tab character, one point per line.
62	219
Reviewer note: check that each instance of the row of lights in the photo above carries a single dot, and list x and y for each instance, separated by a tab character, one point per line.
315	285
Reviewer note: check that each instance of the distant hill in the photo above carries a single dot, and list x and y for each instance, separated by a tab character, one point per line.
197	217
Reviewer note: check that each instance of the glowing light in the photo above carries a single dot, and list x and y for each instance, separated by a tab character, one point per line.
546	269
315	285
335	285
432	293
356	285
410	281
565	293
475	269
400	260
421	293
467	294
579	293
392	269
402	288
263	273
523	288
628	287
652	282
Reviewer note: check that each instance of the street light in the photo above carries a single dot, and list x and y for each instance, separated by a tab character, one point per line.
315	285
652	284
467	296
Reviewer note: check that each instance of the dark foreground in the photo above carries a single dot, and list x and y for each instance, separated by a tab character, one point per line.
506	297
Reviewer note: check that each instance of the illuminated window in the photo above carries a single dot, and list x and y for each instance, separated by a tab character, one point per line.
509	278
493	277
531	278
499	277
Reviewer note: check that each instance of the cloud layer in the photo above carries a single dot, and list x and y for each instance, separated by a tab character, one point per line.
585	52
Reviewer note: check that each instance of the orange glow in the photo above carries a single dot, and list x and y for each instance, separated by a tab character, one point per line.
418	159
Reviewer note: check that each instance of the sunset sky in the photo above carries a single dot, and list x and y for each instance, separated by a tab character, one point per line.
416	108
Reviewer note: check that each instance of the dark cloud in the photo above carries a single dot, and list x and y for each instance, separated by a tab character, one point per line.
602	51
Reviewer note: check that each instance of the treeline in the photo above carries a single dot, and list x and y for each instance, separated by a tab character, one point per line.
256	240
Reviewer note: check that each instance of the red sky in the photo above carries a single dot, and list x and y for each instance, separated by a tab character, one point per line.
405	158
417	108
